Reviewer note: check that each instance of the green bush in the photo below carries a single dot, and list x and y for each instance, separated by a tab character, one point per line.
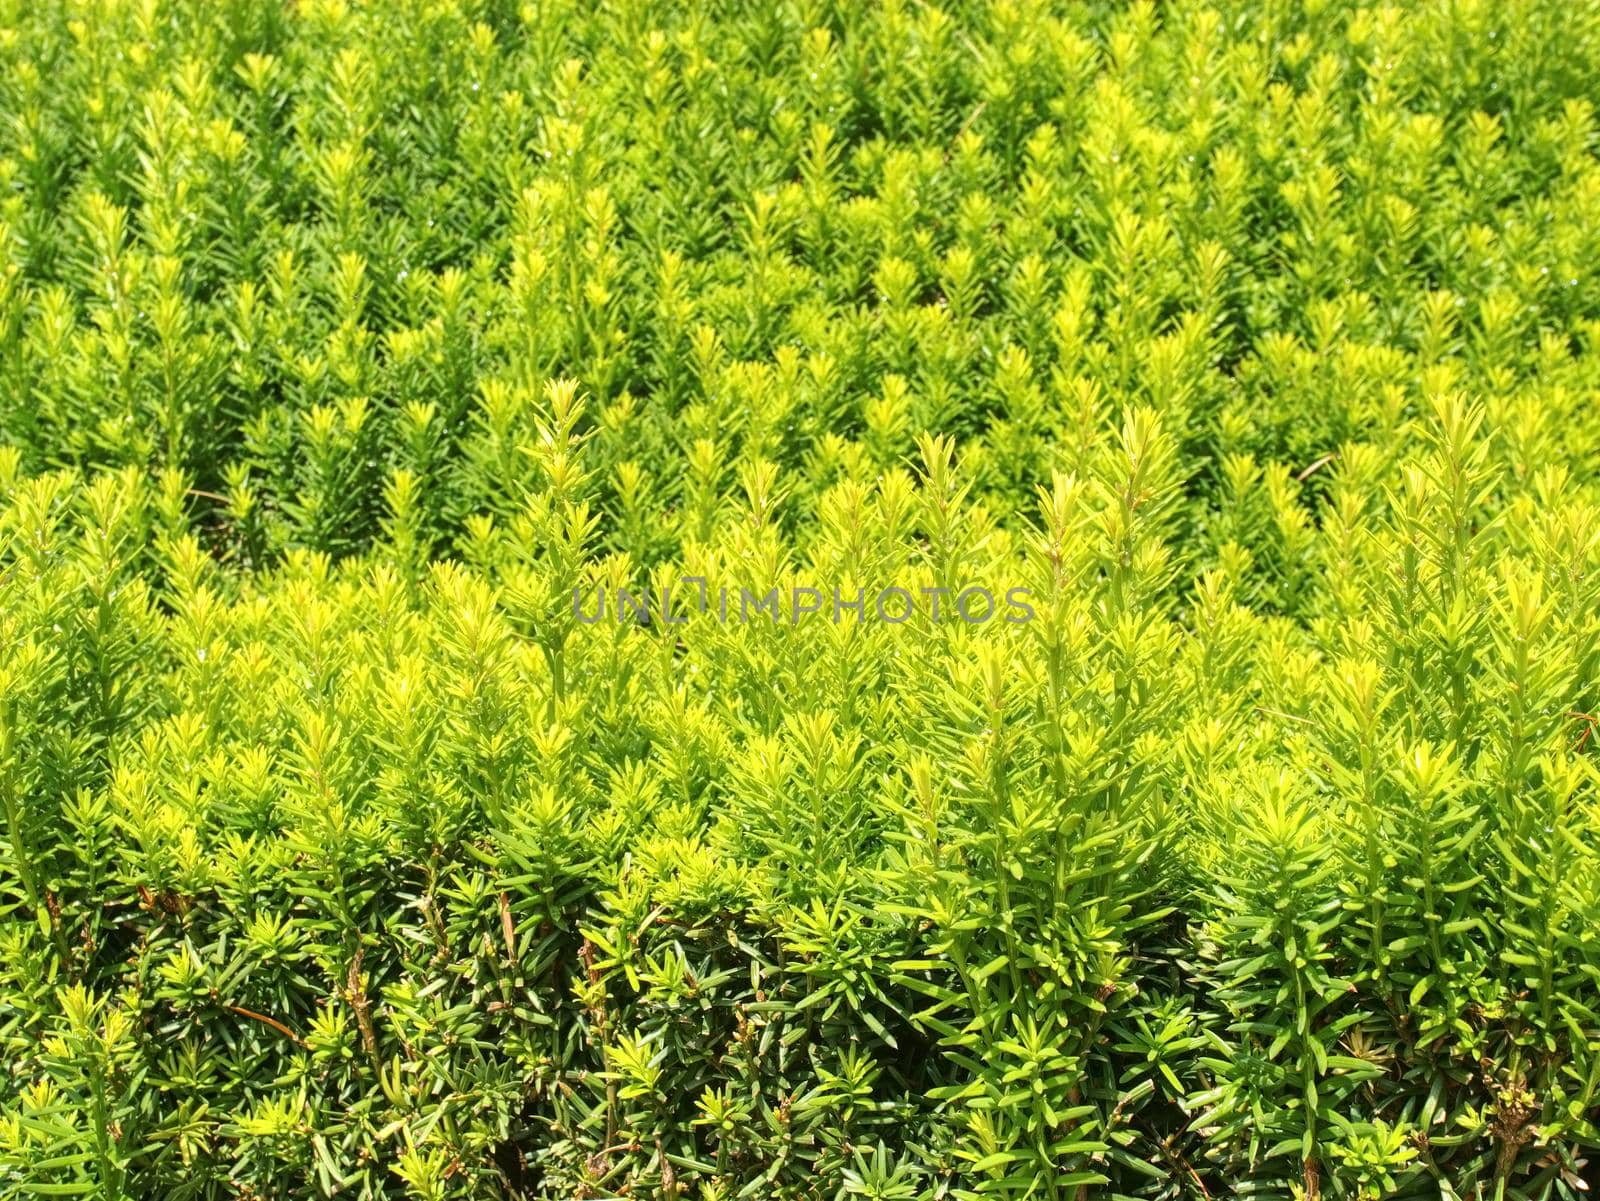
352	355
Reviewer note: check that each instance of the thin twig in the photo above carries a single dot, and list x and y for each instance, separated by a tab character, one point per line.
1316	467
1305	721
273	1022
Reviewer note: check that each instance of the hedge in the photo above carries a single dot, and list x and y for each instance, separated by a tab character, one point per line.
799	600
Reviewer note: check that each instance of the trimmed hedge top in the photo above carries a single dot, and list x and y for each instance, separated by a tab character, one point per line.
496	691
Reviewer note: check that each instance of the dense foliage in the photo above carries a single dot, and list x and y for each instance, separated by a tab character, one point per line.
343	345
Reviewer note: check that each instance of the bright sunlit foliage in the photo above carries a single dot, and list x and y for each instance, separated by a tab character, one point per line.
1250	345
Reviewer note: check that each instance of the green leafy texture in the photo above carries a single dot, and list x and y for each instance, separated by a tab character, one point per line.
350	356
